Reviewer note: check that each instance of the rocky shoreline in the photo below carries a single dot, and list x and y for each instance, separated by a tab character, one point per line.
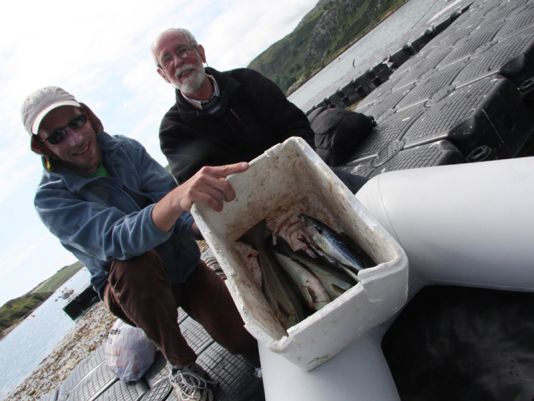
90	332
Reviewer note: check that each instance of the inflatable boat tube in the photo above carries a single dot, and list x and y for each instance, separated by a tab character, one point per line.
358	373
466	225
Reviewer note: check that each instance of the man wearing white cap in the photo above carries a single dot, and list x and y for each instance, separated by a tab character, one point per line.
122	215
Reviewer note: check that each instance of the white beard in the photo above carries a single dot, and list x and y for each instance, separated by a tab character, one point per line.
193	83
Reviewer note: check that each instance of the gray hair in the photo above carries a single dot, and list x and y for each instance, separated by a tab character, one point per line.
188	36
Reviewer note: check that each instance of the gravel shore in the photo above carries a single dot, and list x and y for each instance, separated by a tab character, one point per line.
90	332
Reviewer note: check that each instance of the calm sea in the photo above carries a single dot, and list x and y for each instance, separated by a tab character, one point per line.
33	339
29	343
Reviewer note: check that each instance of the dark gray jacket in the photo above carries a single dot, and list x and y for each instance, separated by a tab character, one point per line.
253	115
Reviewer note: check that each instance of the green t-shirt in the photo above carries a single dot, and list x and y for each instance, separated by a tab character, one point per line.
101	171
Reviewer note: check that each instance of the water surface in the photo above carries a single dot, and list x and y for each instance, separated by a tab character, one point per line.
35	337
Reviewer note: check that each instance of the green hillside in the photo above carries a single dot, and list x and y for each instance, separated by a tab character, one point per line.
15	310
61	276
324	33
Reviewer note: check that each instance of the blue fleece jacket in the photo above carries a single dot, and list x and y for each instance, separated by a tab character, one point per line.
98	219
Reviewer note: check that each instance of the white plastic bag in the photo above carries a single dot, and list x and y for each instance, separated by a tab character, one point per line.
128	352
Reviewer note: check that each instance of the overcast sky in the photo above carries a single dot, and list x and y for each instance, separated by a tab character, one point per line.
99	51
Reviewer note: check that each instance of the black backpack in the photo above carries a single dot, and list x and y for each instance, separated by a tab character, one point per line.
338	132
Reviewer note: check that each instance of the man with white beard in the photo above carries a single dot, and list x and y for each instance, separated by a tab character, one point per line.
218	116
222	117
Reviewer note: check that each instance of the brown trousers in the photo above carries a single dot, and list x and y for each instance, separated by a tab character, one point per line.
139	292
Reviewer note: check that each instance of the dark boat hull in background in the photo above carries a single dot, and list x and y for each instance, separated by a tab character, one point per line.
80	302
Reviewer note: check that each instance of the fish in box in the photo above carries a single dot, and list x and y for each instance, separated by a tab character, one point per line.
291	179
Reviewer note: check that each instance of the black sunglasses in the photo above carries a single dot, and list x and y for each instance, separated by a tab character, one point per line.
57	136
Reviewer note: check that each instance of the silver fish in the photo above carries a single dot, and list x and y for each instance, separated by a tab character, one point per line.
277	287
335	281
329	244
311	289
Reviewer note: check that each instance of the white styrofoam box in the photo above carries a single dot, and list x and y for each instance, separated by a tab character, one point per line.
292	176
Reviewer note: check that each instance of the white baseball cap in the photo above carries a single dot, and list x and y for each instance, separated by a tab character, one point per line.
37	105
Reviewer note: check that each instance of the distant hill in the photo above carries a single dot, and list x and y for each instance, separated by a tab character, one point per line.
15	310
324	33
58	279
